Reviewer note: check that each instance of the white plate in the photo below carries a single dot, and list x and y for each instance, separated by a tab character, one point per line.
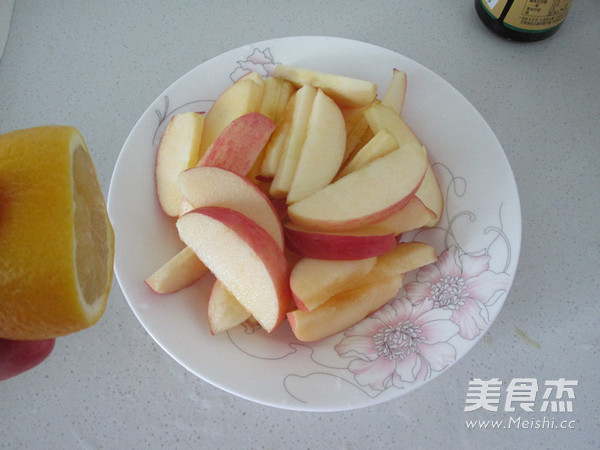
444	310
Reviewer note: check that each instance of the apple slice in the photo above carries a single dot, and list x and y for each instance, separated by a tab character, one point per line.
368	195
323	149
239	144
380	116
313	281
244	257
357	244
180	271
213	186
345	91
178	150
19	356
242	97
224	311
287	91
293	143
276	94
356	127
414	215
396	91
406	257
382	143
343	309
275	147
431	195
403	258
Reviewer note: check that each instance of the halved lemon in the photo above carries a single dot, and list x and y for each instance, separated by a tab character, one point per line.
56	240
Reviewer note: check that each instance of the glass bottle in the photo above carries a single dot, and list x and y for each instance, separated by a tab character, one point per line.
523	20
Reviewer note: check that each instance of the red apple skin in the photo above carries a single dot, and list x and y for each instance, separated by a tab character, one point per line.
19	356
337	246
237	147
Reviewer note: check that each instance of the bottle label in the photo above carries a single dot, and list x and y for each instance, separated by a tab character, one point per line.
494	7
536	15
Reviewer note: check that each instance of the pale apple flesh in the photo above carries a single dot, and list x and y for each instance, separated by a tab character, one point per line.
293	142
346	91
244	257
380	116
406	257
276	94
180	271
178	150
382	143
314	281
370	194
322	151
360	296
276	145
431	196
343	310
414	215
358	244
396	91
356	128
224	310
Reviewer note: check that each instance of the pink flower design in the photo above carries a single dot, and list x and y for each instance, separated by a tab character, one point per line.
260	61
399	343
461	284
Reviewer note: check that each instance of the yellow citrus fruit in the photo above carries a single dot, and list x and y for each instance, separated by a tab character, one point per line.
56	240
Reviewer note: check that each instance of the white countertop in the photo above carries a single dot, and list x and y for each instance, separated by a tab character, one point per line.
98	66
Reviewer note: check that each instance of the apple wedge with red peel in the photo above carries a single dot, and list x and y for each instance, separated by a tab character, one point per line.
293	142
242	97
213	186
323	149
382	143
380	116
239	144
343	309
357	244
396	91
345	91
366	196
178	150
414	215
314	281
17	357
224	311
431	196
180	271
244	257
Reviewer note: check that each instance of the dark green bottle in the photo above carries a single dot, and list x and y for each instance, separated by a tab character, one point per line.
523	20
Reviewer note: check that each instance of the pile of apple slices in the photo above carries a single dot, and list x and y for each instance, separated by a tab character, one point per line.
293	191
